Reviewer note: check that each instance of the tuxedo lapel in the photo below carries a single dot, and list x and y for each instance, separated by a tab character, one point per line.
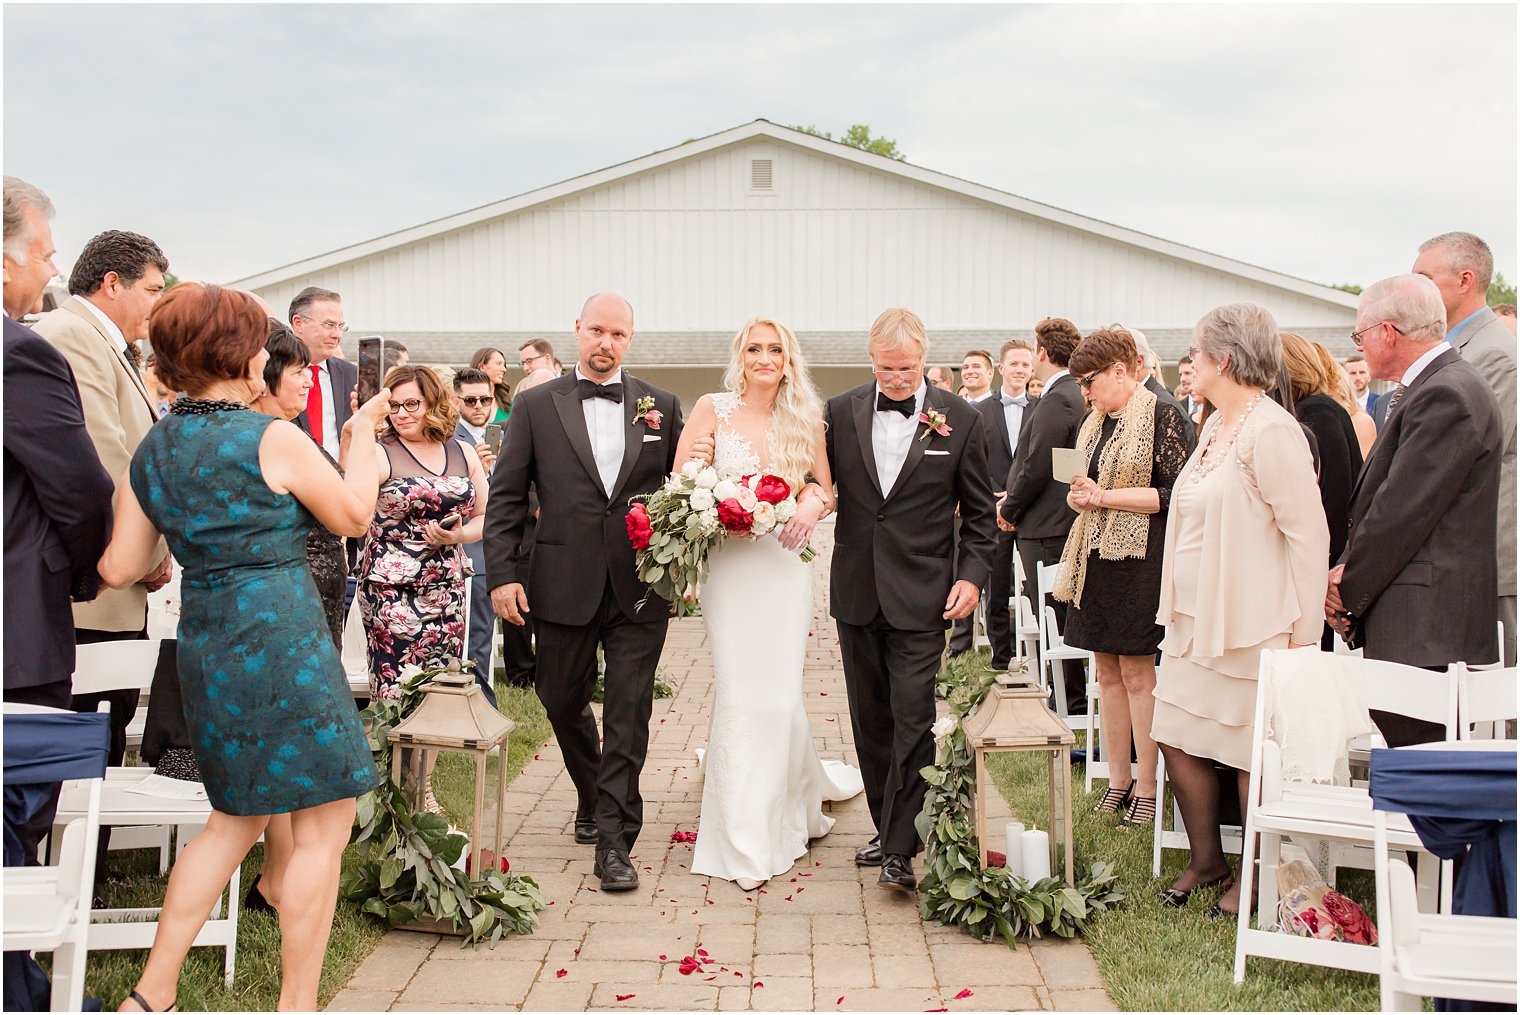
920	442
1000	420
568	404
863	408
633	440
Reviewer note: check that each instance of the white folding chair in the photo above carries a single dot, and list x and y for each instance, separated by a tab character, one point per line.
1434	955
1053	649
1485	702
117	666
47	909
355	659
1343	815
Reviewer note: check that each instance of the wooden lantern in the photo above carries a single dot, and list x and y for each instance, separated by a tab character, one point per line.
455	716
1014	716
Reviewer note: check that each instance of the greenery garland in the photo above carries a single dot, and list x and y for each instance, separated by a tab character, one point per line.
406	863
957	889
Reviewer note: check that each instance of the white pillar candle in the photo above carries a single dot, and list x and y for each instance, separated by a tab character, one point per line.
1013	848
1036	853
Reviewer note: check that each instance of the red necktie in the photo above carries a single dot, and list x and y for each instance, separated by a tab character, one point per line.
314	403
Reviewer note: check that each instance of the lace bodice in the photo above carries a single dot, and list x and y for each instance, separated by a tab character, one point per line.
734	453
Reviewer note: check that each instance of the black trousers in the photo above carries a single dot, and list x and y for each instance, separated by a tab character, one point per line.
889	675
517	653
56	694
606	776
995	594
1048	552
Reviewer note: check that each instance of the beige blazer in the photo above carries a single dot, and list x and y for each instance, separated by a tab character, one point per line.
118	412
1265	566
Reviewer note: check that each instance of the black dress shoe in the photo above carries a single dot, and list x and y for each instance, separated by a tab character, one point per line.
1176	898
254	901
616	872
585	831
869	855
897	874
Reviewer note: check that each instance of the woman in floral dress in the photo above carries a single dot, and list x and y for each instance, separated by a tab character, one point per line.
413	570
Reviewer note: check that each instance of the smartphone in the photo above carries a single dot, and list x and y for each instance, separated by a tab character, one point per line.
371	360
451	521
493	438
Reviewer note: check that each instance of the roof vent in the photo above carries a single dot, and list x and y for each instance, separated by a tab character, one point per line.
760	174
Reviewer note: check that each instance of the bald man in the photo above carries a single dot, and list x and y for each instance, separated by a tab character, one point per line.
586	443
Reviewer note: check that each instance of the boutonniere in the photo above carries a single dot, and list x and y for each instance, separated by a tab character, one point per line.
934	422
647	412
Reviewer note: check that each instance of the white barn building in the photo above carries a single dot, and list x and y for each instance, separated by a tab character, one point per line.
762	219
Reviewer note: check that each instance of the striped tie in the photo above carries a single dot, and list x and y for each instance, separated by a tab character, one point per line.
1394	398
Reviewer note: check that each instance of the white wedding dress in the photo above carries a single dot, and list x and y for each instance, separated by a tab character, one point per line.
764	785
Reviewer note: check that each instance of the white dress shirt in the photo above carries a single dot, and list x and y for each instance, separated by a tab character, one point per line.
1418	366
604	425
331	435
892	437
1013	415
477	433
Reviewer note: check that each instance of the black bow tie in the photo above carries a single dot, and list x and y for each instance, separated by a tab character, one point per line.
885	404
590	389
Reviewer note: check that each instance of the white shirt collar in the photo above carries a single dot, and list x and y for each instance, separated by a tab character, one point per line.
107	323
614	379
1418	366
1051	380
477	432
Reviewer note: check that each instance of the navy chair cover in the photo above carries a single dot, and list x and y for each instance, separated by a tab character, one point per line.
40	752
1462	806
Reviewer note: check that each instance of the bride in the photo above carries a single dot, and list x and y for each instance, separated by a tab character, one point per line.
764	785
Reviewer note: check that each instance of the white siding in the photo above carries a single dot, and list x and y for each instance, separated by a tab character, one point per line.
831	245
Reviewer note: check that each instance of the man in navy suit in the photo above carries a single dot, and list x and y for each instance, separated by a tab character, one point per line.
57	494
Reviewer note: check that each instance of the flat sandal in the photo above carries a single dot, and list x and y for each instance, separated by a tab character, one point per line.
1114	799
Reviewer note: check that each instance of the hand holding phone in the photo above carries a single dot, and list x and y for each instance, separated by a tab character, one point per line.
371	365
451	522
493	438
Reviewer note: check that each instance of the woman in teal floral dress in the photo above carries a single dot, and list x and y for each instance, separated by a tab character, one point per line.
413	570
272	723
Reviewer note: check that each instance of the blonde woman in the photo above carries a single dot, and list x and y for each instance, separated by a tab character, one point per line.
764	788
1341	390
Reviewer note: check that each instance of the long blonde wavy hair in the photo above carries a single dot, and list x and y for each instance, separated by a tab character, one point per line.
798	408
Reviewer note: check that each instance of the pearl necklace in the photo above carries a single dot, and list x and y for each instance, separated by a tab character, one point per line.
1209	460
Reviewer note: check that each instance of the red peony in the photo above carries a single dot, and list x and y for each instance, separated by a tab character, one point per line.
772	489
1350	918
639	528
734	517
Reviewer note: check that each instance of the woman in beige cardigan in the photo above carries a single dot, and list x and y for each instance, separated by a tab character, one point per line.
1245	570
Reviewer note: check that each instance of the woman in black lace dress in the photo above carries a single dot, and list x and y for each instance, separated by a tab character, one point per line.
1134	445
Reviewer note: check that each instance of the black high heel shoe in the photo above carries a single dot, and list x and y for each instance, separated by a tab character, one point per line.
1114	800
1176	898
255	902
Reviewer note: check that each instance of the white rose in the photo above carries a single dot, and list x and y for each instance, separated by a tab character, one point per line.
943	727
702	499
690	469
710	521
707	477
785	510
747	498
725	489
765	519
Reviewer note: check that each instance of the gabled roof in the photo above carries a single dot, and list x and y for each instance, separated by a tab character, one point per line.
831	149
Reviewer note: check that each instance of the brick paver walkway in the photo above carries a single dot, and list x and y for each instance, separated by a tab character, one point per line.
822	937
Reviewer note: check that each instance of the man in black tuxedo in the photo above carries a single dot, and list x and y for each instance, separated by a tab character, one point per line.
1035	509
1416	581
1003	414
57	494
897	579
587	442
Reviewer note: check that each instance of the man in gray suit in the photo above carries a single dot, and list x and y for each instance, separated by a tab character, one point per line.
476	404
1461	265
1415	582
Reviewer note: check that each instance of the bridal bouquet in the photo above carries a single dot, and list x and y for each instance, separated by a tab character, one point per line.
674	528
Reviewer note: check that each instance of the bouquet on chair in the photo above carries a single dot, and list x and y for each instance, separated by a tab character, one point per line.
675	528
1311	908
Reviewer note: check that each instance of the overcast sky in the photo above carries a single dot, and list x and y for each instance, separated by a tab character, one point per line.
1321	141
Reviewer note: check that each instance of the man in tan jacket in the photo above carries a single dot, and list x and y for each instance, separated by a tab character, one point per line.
116	280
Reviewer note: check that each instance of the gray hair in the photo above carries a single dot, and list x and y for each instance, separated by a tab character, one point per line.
19	196
894	329
1247	334
1465	252
1147	355
1411	303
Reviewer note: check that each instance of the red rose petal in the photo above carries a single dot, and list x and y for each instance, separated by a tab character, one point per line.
702	952
561	973
962	995
758	983
841	999
626	997
662	958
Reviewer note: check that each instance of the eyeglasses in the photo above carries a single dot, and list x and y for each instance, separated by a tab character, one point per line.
1086	382
475	400
910	372
342	329
410	405
527	364
1356	336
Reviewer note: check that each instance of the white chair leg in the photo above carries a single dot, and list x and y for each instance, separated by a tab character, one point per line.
1247	877
1269	848
1427	881
1158	831
68	977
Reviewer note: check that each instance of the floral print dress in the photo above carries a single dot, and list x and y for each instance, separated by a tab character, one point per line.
412	594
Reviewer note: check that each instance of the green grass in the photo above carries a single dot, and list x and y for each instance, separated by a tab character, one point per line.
1158	959
110	975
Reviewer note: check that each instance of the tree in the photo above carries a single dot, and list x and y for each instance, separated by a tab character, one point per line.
170	280
1500	291
859	136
